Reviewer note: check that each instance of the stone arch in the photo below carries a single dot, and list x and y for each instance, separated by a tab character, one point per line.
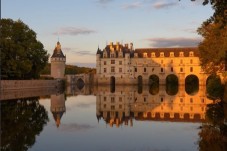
153	79
112	80
140	80
153	84
172	83
80	83
191	84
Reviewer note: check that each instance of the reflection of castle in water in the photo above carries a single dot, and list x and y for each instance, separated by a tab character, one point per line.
58	107
128	103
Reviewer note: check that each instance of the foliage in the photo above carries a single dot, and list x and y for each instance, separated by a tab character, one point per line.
213	132
69	69
22	55
23	120
213	48
215	90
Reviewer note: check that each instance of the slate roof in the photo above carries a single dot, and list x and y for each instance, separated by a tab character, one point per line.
58	52
167	51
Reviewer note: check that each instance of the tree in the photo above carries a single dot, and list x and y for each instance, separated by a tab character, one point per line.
22	120
22	55
213	48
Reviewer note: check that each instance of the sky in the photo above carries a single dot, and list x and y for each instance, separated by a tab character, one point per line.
81	26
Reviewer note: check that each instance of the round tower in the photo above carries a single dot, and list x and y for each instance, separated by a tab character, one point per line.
57	107
58	63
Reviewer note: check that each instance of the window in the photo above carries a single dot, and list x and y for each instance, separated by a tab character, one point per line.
112	61
181	61
181	54
191	61
112	107
161	99
191	69
120	69
171	61
120	62
171	54
181	100
112	100
104	62
181	70
191	53
120	106
120	99
144	99
112	69
104	98
112	55
145	70
171	69
135	55
161	54
104	70
104	105
135	69
152	54
145	55
161	69
191	100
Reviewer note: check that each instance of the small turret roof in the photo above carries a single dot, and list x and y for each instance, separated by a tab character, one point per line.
58	52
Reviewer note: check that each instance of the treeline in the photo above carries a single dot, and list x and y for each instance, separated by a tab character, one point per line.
70	69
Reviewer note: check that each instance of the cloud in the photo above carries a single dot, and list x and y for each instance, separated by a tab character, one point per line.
104	1
72	31
190	30
132	5
161	5
173	42
75	127
78	52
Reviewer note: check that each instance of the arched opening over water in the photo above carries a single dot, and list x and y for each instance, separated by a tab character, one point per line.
191	84
171	84
140	80
112	80
153	84
80	83
112	84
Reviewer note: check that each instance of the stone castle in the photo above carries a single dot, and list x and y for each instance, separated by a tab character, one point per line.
122	64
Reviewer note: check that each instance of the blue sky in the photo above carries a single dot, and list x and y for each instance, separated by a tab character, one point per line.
83	25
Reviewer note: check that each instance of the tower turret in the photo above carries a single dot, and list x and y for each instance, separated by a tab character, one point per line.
58	63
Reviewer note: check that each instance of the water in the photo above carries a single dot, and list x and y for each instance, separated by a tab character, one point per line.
98	119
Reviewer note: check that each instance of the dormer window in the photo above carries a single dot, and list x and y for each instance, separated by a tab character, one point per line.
161	54
112	55
152	54
181	54
104	55
120	54
145	55
191	54
171	54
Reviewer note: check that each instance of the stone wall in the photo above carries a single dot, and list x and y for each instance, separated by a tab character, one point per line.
28	84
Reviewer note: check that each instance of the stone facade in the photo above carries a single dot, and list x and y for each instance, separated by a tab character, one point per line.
127	104
126	65
58	60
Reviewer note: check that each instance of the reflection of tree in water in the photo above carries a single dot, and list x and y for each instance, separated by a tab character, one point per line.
213	134
21	121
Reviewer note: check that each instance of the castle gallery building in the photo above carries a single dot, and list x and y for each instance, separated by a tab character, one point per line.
122	64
